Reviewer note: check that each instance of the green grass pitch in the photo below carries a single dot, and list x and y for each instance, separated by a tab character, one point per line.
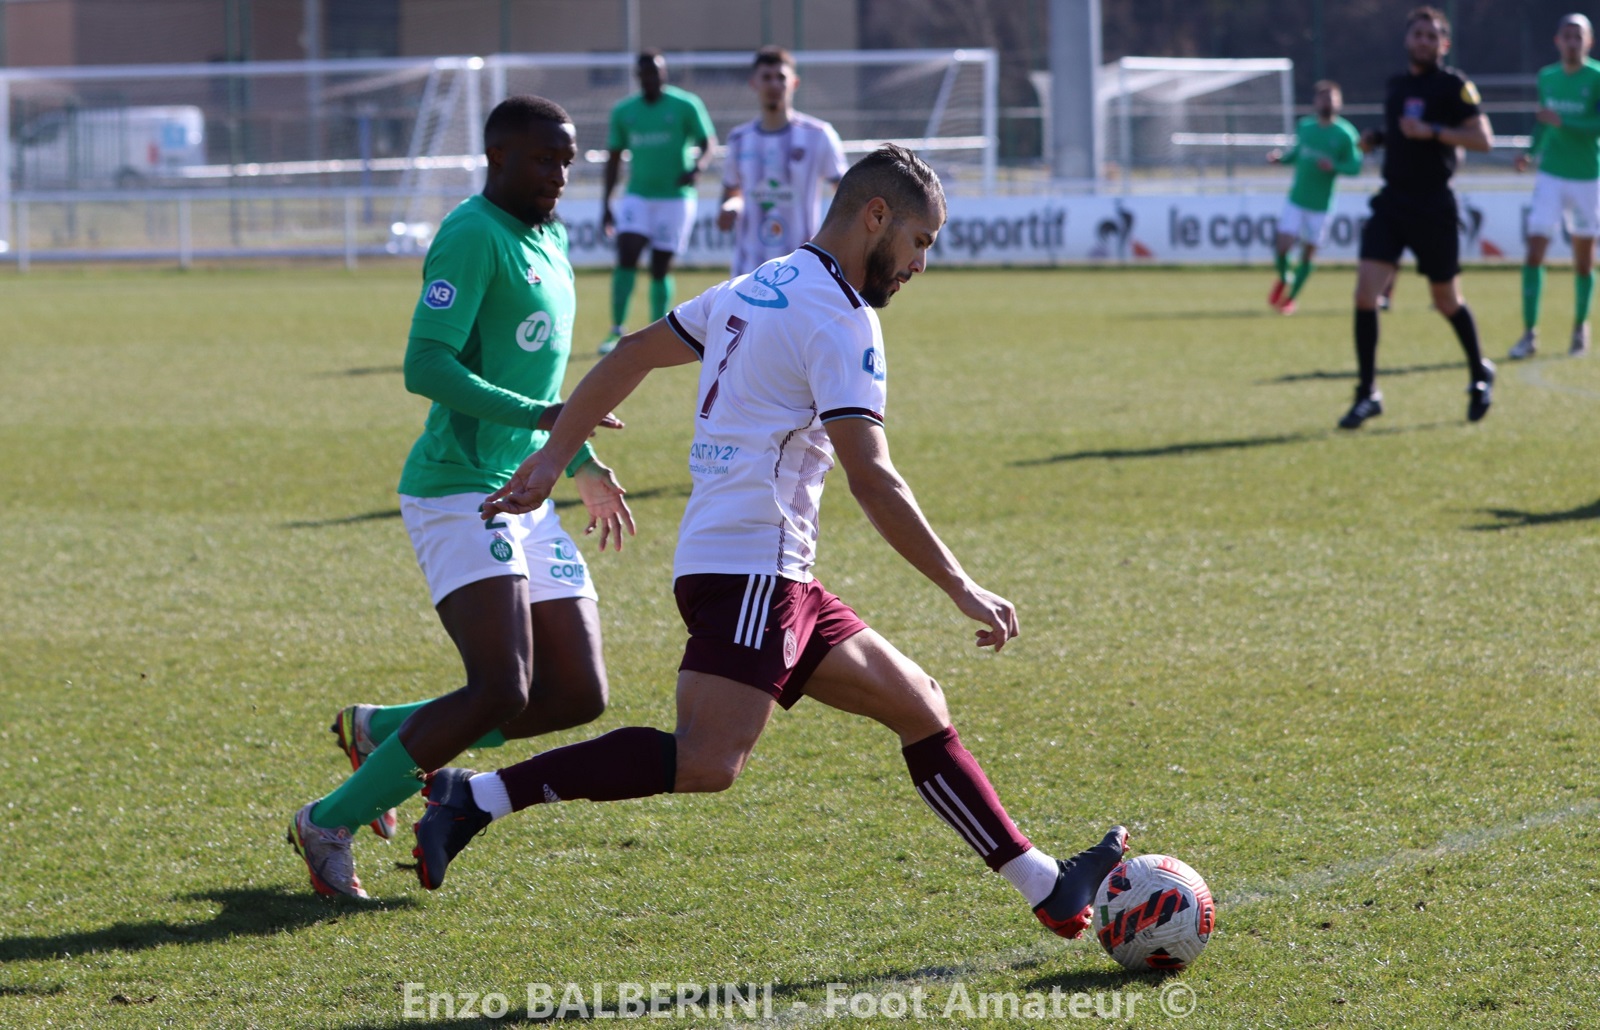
1350	677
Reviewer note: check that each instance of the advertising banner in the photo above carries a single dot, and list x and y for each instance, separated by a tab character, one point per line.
1161	229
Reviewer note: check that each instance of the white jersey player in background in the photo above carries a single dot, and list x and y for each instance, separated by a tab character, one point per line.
774	168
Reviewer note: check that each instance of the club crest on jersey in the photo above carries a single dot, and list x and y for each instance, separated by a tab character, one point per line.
439	295
533	279
872	363
765	286
500	548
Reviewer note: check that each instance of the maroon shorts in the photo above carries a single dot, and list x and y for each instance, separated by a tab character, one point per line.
766	631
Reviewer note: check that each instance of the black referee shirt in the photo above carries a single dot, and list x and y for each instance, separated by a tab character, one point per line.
1441	96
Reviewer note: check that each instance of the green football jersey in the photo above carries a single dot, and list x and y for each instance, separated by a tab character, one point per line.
1570	150
661	138
1337	141
501	296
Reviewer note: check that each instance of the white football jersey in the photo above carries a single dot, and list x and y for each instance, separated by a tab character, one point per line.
783	351
781	175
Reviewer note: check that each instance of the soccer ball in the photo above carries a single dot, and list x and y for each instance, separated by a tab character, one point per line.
1153	913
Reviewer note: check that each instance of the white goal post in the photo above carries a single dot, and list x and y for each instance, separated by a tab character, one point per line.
410	129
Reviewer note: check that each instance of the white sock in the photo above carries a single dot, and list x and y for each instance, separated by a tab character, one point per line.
1032	873
489	793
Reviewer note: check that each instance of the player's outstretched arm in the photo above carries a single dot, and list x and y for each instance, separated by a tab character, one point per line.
607	385
863	449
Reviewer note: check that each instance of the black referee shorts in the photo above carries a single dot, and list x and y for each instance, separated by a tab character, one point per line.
1425	224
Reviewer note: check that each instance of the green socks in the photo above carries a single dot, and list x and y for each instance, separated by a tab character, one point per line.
1301	273
621	293
622	280
1283	267
385	779
1532	289
1585	287
382	724
660	297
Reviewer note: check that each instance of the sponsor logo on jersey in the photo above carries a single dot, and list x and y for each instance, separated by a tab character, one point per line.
439	295
533	278
500	548
764	288
564	550
534	332
872	363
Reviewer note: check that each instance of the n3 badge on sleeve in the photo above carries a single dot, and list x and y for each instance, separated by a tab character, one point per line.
439	295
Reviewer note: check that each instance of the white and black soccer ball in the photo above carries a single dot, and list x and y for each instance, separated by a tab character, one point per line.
1153	913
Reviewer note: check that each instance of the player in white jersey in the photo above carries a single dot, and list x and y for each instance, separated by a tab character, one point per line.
774	168
792	377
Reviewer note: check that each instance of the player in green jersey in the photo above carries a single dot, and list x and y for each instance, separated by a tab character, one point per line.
1325	147
669	139
489	343
1566	143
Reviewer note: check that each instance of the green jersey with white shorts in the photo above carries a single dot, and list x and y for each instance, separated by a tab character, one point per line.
1337	141
661	137
489	344
1570	150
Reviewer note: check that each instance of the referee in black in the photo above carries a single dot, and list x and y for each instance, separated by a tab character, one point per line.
1428	114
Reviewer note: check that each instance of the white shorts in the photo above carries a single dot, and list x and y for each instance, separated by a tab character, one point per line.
1306	226
455	547
1577	199
665	223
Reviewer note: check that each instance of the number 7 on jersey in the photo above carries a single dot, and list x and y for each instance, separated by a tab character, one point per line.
736	326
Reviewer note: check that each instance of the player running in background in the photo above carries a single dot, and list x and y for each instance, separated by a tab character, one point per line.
489	344
1566	142
669	139
774	167
1325	147
1429	112
792	377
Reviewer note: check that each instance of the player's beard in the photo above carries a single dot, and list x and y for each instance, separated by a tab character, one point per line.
880	276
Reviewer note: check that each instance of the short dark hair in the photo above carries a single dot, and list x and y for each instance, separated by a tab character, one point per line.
519	113
1325	84
650	56
773	55
1432	14
897	175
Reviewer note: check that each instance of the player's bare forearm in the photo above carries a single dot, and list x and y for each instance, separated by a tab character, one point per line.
887	501
607	385
889	505
1473	134
610	382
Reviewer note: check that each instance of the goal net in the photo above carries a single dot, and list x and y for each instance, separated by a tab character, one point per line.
409	130
1193	114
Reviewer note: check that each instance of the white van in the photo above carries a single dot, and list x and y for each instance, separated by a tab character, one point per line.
96	148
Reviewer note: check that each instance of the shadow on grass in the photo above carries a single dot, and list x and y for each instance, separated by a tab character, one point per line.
344	520
1404	370
1175	449
1511	518
1261	312
249	912
371	370
1239	444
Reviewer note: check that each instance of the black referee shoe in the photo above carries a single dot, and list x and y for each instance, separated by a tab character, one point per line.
1367	405
1481	393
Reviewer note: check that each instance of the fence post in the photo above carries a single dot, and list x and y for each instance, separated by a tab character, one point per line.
22	235
349	232
185	237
